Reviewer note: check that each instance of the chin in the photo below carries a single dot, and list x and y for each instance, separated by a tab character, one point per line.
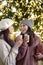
23	32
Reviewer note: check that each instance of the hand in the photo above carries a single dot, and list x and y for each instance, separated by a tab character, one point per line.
26	38
39	55
19	41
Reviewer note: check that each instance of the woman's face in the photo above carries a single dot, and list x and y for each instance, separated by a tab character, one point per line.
23	28
11	33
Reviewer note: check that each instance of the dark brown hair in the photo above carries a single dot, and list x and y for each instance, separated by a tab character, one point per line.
6	37
31	35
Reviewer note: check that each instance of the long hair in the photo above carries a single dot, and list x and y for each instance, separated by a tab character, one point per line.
31	36
6	37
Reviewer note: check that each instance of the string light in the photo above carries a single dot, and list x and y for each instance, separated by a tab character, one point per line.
1	13
13	9
4	2
27	1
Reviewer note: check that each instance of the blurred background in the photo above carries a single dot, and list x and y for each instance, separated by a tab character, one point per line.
18	10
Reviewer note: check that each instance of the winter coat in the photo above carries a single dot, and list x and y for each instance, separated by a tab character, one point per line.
7	54
28	54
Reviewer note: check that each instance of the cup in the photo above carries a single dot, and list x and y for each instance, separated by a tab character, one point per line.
26	38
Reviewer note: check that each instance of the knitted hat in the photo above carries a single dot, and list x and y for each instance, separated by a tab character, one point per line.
29	22
5	23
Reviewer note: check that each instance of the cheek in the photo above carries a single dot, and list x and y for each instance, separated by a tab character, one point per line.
11	29
25	29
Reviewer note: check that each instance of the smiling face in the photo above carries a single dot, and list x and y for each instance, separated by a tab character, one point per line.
23	28
8	32
11	32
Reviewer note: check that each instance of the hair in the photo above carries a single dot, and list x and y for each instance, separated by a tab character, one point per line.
6	37
31	36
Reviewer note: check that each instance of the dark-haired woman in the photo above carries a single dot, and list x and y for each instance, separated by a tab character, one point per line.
8	48
32	49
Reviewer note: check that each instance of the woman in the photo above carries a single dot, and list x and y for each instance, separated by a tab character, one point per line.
8	48
32	49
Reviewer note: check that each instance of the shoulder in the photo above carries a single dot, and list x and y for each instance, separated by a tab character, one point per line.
37	38
37	41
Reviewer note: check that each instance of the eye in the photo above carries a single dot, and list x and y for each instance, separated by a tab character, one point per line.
22	25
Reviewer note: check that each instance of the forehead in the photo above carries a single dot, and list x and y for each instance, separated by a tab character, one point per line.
23	25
